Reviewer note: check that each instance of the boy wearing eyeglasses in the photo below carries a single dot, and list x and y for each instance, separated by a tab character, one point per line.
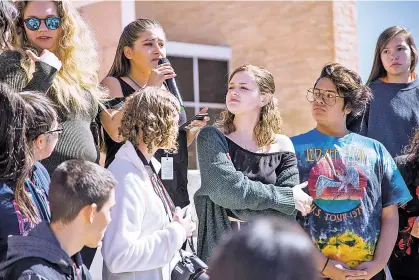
354	182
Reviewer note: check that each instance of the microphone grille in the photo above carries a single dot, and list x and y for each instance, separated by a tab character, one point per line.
163	60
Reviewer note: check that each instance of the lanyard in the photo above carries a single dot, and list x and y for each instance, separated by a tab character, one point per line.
158	186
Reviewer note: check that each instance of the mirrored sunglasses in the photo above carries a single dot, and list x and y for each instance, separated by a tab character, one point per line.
33	23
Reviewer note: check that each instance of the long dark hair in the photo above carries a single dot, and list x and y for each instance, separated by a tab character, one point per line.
16	158
16	150
378	70
8	23
121	64
41	115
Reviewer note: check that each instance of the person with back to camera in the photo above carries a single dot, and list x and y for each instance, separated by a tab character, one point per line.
143	240
268	249
30	129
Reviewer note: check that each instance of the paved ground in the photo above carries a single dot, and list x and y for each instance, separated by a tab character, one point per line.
96	268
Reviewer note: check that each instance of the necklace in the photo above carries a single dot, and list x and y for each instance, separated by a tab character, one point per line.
137	84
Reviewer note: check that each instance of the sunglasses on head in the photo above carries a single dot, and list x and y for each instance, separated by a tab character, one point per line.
33	23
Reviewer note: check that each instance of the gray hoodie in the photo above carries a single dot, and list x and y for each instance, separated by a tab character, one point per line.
39	256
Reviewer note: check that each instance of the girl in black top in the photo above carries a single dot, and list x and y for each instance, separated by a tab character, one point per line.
135	66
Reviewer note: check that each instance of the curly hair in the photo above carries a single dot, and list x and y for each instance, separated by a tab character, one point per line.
149	115
77	83
349	86
270	121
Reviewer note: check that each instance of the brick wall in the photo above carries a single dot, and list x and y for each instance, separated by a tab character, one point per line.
345	34
293	40
105	19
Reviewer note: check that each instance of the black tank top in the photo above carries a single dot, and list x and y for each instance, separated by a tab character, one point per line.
112	147
177	188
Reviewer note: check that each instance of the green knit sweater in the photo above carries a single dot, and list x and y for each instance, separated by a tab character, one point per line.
223	187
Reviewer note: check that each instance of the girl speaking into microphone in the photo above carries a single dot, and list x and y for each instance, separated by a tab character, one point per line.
140	47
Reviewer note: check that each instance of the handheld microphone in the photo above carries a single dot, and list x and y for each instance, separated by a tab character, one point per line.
171	84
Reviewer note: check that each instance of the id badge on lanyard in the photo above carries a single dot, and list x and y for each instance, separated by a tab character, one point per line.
167	168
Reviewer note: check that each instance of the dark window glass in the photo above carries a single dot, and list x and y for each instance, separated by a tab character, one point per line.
190	112
213	76
184	69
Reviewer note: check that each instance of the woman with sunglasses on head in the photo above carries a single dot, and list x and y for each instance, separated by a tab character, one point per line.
141	45
46	66
31	125
393	114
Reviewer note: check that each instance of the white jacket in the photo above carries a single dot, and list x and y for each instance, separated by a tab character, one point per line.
140	243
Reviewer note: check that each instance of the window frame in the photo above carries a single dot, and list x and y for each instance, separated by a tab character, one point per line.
199	51
196	52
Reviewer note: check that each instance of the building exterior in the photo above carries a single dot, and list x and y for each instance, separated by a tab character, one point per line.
293	40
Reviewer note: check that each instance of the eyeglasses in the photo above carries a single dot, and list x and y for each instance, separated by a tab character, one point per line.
327	96
33	23
58	130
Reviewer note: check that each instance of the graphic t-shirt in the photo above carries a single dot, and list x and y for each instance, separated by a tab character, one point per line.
351	179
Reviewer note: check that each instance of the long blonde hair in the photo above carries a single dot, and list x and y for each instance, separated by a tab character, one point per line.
76	86
270	121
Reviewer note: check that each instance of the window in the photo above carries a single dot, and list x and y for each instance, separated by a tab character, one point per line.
202	74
